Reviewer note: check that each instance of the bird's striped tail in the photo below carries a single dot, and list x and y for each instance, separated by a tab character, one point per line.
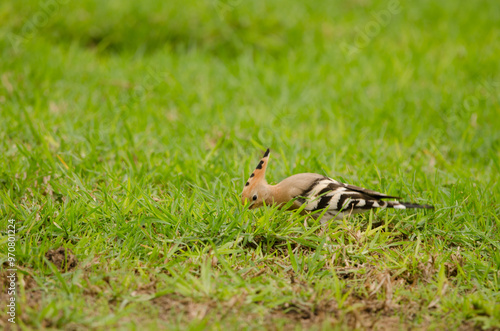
406	205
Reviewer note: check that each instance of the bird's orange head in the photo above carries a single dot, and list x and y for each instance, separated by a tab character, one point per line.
255	190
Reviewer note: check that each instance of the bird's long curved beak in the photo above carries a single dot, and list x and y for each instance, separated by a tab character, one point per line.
245	201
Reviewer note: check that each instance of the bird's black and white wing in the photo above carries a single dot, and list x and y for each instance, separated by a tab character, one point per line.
334	199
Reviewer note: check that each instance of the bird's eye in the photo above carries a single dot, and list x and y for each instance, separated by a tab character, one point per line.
254	197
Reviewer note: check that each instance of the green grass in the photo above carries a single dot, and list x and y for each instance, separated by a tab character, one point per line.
128	129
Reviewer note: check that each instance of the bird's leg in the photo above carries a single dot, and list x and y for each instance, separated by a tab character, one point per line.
377	222
350	213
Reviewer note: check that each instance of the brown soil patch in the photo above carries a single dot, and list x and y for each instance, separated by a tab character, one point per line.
374	308
63	258
367	315
173	304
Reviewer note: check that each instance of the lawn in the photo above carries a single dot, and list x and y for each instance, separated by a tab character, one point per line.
128	129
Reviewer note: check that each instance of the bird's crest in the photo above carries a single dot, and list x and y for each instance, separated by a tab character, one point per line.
258	176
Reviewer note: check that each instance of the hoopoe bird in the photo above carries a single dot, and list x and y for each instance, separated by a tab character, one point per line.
321	195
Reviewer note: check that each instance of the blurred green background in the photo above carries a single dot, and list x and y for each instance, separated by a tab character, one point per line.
426	80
